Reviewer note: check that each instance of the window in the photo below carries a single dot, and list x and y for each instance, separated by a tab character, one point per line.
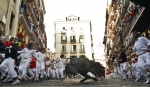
72	29
63	30
72	38
82	46
63	48
81	38
63	38
73	56
73	48
11	21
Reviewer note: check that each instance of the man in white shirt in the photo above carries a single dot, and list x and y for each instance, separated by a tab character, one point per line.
28	53
142	48
48	69
40	64
61	63
20	70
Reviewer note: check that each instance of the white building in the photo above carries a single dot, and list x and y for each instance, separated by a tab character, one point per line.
73	38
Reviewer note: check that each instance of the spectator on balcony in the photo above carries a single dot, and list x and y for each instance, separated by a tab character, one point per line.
23	7
32	26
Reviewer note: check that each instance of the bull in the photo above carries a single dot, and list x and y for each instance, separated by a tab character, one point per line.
87	68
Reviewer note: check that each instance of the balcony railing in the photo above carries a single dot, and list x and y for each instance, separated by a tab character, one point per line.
63	40
73	50
64	51
35	14
73	40
26	18
82	50
132	22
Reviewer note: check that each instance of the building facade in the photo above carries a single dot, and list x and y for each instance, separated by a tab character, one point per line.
31	22
24	20
122	18
73	38
9	11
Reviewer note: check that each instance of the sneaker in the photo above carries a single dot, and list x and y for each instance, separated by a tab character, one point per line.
6	79
16	82
3	77
148	81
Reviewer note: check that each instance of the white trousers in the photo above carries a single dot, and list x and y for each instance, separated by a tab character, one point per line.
116	72
129	73
9	62
40	68
60	71
20	70
48	71
143	63
54	73
57	73
26	68
136	71
123	70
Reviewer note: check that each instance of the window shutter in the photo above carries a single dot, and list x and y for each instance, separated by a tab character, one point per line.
66	38
74	37
65	47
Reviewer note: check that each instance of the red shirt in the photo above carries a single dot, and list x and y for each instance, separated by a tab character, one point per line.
33	63
7	43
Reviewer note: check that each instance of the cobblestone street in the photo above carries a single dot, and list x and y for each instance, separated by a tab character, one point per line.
75	83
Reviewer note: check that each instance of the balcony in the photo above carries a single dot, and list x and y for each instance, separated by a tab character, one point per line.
81	40
82	50
25	22
73	41
63	41
133	22
36	4
64	51
73	51
33	14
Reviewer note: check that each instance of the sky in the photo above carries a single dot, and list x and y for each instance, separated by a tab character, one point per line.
93	10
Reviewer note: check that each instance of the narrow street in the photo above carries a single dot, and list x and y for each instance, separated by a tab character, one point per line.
75	83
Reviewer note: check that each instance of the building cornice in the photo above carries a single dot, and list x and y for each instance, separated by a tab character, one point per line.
70	22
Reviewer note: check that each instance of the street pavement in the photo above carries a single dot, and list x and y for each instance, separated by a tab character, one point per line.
75	83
